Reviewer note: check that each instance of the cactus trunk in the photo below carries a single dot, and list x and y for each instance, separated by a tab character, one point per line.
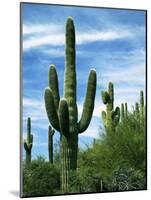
68	153
28	157
63	113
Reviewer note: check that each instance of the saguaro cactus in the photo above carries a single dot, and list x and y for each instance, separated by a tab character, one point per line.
63	113
110	117
28	142
124	111
50	143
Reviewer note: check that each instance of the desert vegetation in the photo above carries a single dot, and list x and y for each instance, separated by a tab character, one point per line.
116	161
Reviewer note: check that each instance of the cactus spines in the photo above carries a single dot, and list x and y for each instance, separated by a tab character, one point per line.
110	117
63	113
28	142
50	143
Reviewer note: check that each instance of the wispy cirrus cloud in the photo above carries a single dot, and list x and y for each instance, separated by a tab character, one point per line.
53	35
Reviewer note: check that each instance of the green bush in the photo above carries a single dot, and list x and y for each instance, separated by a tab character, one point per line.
40	178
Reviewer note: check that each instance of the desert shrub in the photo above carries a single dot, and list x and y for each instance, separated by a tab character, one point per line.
40	178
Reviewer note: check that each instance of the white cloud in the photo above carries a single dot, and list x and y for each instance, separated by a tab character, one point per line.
93	36
134	74
53	35
40	28
34	108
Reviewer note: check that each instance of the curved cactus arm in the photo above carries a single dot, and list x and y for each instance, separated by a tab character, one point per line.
27	146
105	97
51	109
88	105
30	146
53	84
104	117
63	113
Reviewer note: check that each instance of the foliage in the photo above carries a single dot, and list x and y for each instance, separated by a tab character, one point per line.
119	159
40	178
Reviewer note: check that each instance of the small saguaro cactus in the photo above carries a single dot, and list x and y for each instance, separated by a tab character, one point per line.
50	143
28	142
124	111
63	113
110	117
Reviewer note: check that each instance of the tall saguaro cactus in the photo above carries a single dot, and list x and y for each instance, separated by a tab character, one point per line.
63	113
28	142
110	117
50	143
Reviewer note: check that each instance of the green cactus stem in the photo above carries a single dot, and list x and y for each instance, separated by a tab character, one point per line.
110	117
28	142
50	143
63	113
124	111
141	104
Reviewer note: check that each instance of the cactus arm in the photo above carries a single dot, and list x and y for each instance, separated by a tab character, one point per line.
88	105
28	128
116	115
111	94
53	84
25	146
51	109
64	117
105	97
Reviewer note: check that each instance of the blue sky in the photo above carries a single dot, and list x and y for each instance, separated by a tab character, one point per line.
110	40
